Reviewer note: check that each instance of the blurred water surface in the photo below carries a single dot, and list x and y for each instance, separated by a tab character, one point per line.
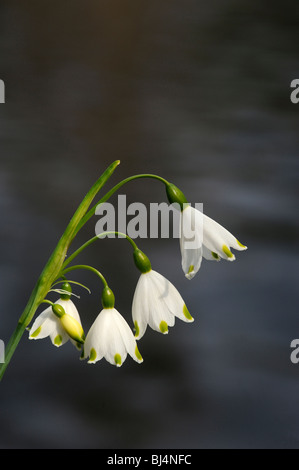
199	93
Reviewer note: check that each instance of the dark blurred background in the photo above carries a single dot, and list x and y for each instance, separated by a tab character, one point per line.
197	92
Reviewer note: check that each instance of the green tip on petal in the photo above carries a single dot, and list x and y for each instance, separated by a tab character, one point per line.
240	245
227	251
215	255
191	269
92	356
138	355
163	327
58	340
137	331
117	360
187	314
36	333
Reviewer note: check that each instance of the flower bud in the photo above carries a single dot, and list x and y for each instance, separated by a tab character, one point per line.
73	328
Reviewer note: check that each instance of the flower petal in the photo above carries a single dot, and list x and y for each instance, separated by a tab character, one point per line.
44	325
171	298
127	337
210	255
94	345
191	260
70	308
219	240
160	316
111	337
58	336
113	345
140	306
191	238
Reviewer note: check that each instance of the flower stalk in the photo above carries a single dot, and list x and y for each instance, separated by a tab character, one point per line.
156	301
53	267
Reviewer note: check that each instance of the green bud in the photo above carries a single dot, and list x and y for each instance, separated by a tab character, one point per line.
58	310
142	262
73	328
67	287
108	299
175	195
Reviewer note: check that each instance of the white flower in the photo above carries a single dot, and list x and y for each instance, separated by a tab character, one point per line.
111	337
48	324
156	303
210	240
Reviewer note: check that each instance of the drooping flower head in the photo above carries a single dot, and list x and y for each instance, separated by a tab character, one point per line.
61	322
156	301
208	238
110	336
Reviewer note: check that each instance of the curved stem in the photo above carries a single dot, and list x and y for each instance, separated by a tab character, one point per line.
107	196
92	240
52	269
120	235
45	301
88	268
72	282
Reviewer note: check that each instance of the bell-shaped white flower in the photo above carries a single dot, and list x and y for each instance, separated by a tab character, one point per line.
48	324
191	240
156	303
201	237
110	337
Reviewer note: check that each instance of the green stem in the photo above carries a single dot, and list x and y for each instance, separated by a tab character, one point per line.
45	301
94	239
72	282
88	268
32	305
52	270
107	196
53	267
